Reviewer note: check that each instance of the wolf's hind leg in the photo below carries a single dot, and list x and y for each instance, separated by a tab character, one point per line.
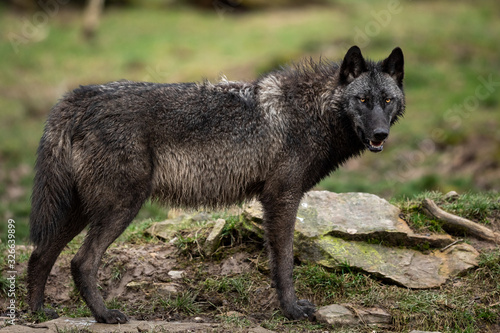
44	256
104	229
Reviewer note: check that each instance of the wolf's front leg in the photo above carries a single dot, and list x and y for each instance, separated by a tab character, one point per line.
279	219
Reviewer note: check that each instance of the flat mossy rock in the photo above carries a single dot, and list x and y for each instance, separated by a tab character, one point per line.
366	233
353	213
167	229
402	266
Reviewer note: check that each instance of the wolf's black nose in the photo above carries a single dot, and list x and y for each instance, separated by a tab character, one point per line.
380	134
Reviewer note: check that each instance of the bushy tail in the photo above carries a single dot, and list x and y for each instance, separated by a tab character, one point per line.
53	185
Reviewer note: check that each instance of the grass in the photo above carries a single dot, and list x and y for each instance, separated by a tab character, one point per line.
468	303
240	286
184	303
446	64
480	207
189	244
79	311
236	321
475	206
459	306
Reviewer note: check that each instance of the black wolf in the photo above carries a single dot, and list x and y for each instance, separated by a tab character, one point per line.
107	148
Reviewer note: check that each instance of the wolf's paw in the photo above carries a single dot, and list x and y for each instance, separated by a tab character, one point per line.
302	309
112	317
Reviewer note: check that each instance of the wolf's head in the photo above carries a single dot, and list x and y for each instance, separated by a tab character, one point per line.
373	94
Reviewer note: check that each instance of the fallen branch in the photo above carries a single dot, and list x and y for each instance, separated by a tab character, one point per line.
458	223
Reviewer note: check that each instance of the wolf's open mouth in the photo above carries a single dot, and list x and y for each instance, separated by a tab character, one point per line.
375	146
372	145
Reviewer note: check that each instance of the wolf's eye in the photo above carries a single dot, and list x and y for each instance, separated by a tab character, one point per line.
362	100
387	100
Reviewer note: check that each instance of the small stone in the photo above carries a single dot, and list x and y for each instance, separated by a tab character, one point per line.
166	289
452	195
166	230
233	314
214	238
374	316
138	284
175	275
145	327
336	314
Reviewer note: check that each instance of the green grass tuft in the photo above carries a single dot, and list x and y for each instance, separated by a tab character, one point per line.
184	302
479	207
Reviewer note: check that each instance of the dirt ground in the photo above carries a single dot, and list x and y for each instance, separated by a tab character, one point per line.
152	280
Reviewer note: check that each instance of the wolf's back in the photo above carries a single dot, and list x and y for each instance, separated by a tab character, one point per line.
53	185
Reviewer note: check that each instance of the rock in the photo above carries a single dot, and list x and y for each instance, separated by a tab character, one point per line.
252	218
233	314
358	216
167	229
402	266
65	324
175	275
145	327
138	285
339	315
20	329
366	232
164	230
214	238
166	289
374	316
336	315
352	216
452	195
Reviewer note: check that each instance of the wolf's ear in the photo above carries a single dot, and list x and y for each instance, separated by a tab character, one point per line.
394	65
353	65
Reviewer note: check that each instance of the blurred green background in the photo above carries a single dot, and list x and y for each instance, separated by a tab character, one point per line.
448	139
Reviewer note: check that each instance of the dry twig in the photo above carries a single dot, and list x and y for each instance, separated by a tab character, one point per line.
450	245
